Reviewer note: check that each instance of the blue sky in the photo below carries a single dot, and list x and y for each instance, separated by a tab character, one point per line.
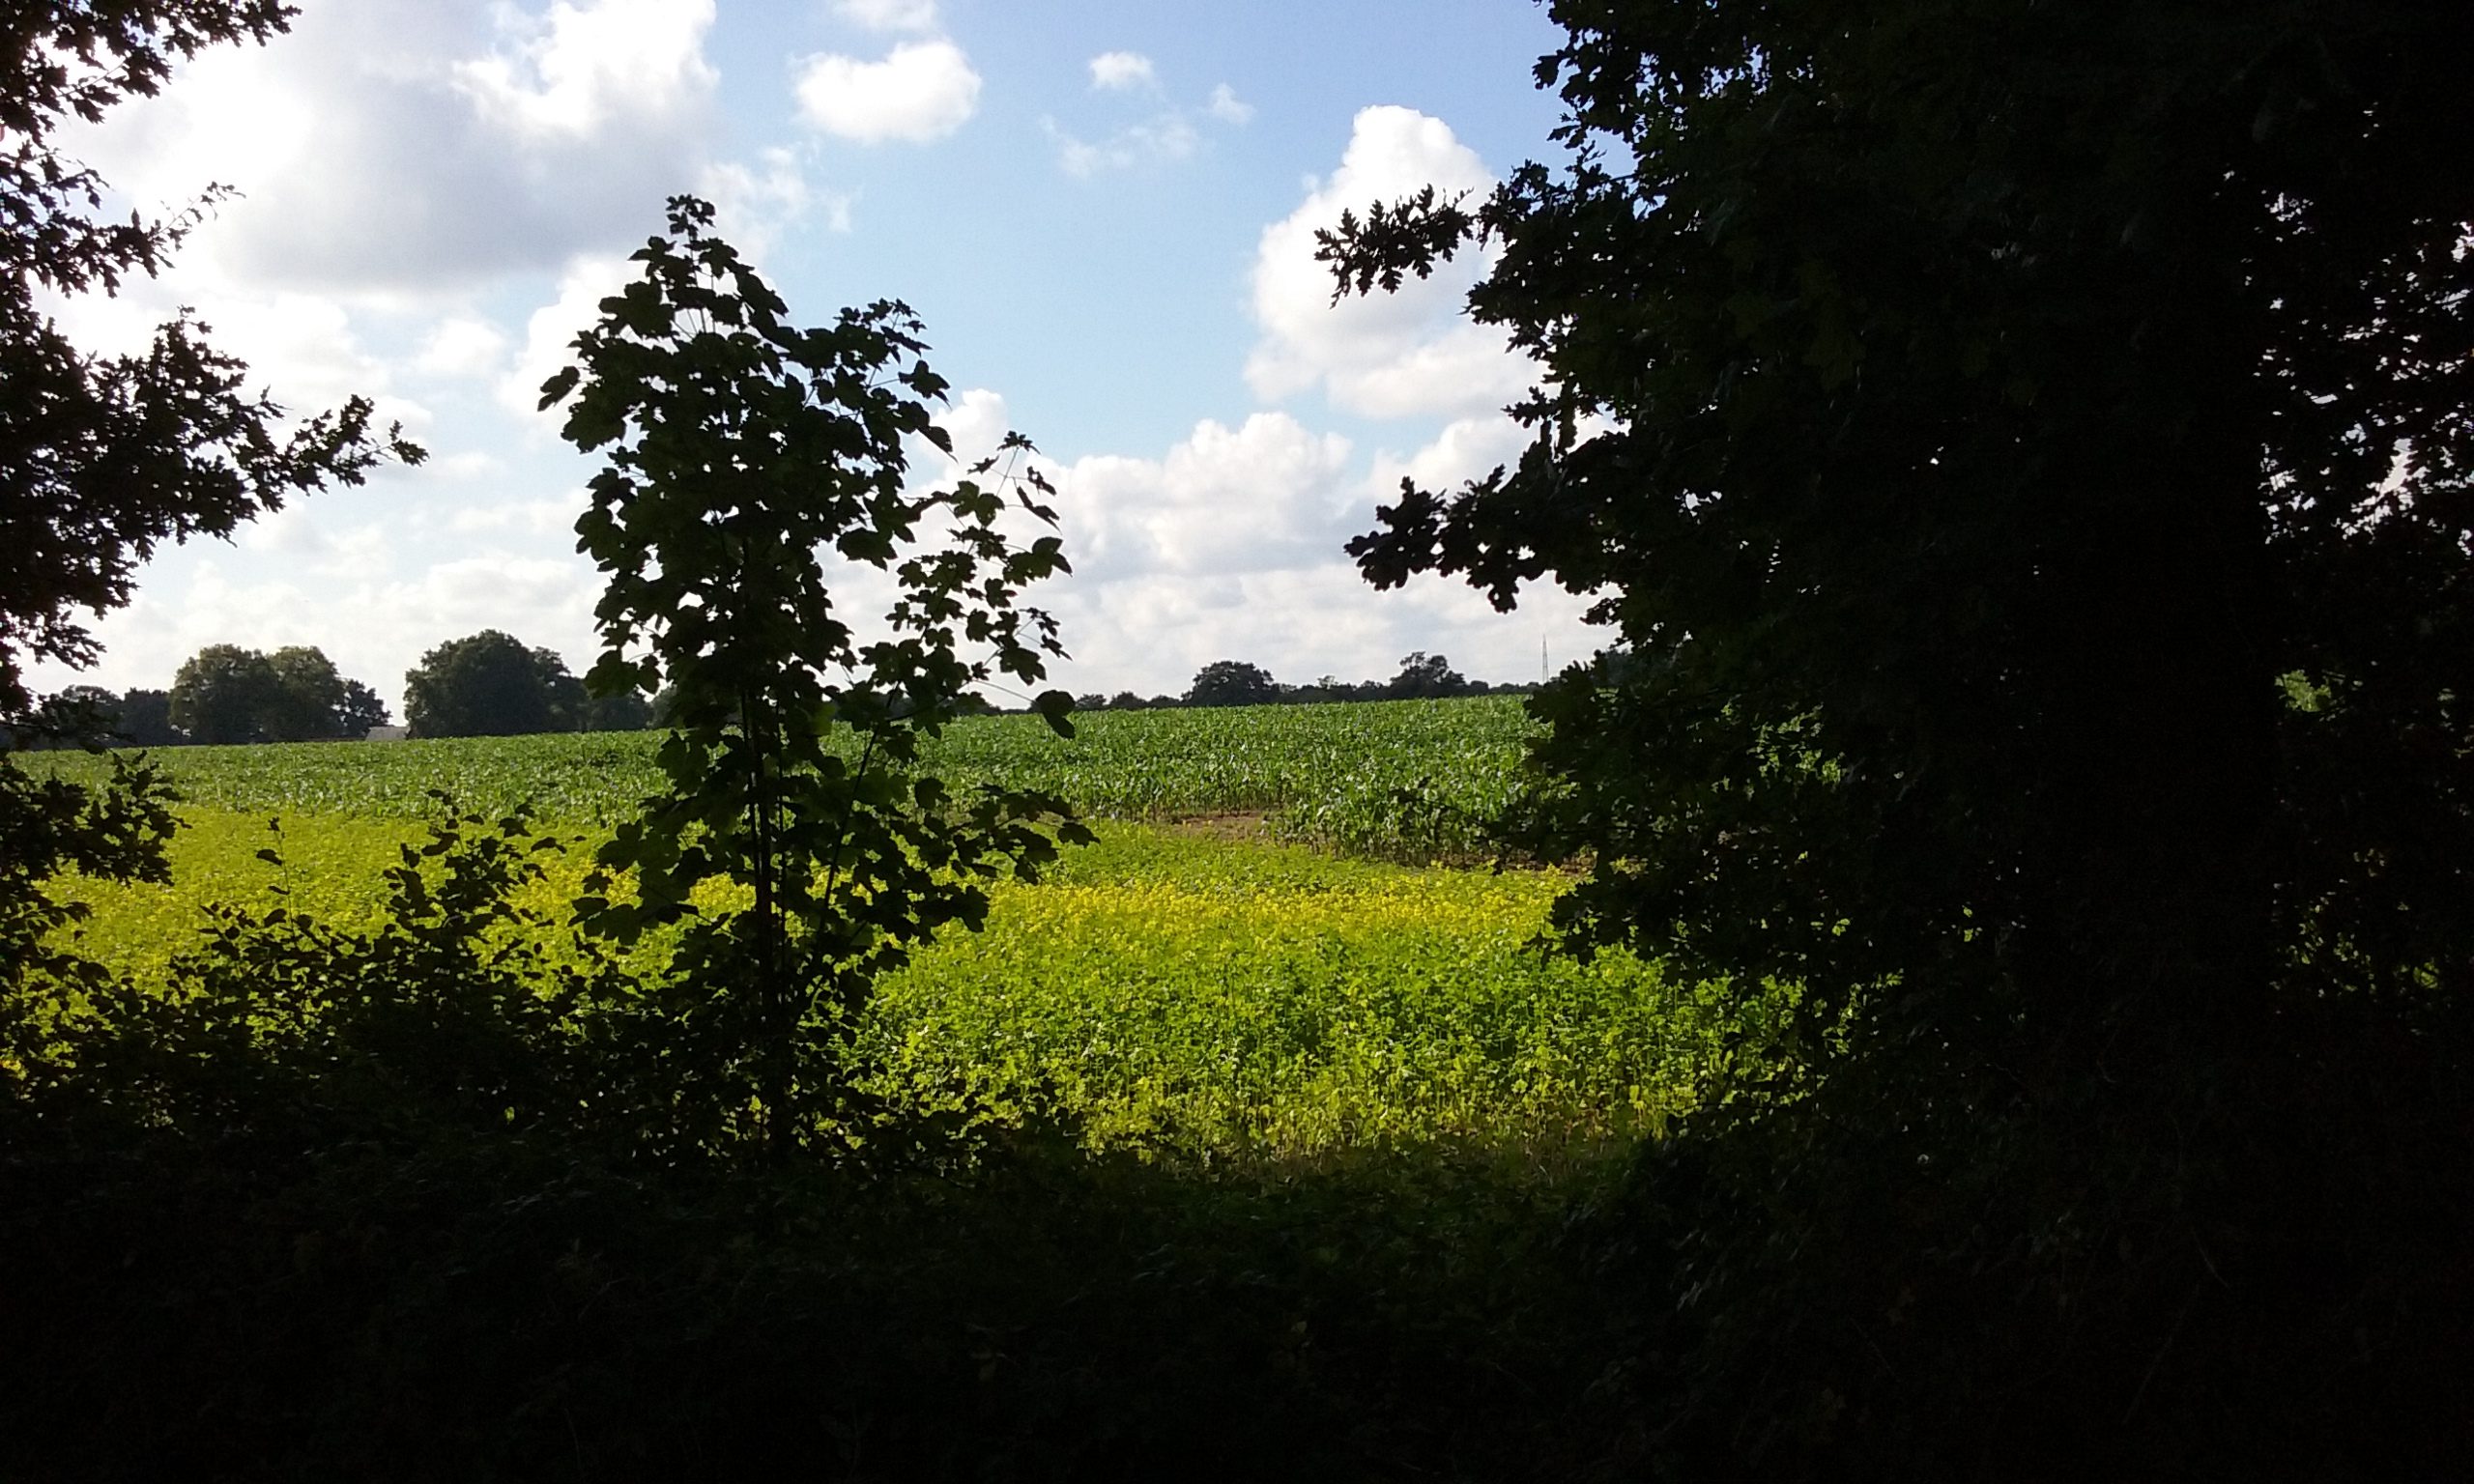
1104	212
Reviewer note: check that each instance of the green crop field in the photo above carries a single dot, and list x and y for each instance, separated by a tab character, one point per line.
1198	986
1396	780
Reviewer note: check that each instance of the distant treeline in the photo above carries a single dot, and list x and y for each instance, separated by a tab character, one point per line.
490	685
1423	676
222	694
484	685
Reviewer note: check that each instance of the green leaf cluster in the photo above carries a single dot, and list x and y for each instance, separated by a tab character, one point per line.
750	468
1969	416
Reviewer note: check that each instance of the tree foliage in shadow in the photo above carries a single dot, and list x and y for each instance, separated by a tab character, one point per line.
1979	423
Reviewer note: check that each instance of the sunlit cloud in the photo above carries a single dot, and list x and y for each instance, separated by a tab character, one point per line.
922	91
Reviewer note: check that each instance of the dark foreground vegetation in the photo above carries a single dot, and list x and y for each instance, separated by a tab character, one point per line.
2024	450
488	1307
320	1301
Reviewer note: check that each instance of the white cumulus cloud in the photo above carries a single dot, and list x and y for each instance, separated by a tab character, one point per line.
466	467
1466	449
977	421
554	327
477	141
309	579
533	517
754	204
1120	70
462	346
922	91
304	347
569	72
1266	494
1408	353
1230	546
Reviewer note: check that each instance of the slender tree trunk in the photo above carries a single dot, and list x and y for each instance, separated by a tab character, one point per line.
776	1001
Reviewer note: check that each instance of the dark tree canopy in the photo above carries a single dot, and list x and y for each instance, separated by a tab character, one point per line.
490	685
2021	451
573	708
86	715
1426	677
77	717
226	694
143	717
1232	683
1967	414
310	697
358	711
620	711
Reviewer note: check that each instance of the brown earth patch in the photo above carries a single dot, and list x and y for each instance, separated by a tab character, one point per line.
1234	825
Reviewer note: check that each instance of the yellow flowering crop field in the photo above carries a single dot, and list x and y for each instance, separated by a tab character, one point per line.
1223	995
1208	990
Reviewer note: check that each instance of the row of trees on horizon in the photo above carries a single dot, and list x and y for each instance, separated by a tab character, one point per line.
492	684
1422	677
485	684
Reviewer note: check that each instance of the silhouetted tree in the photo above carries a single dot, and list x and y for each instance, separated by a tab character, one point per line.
358	711
1232	683
699	397
1425	676
1968	412
105	458
2007	404
489	685
146	720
